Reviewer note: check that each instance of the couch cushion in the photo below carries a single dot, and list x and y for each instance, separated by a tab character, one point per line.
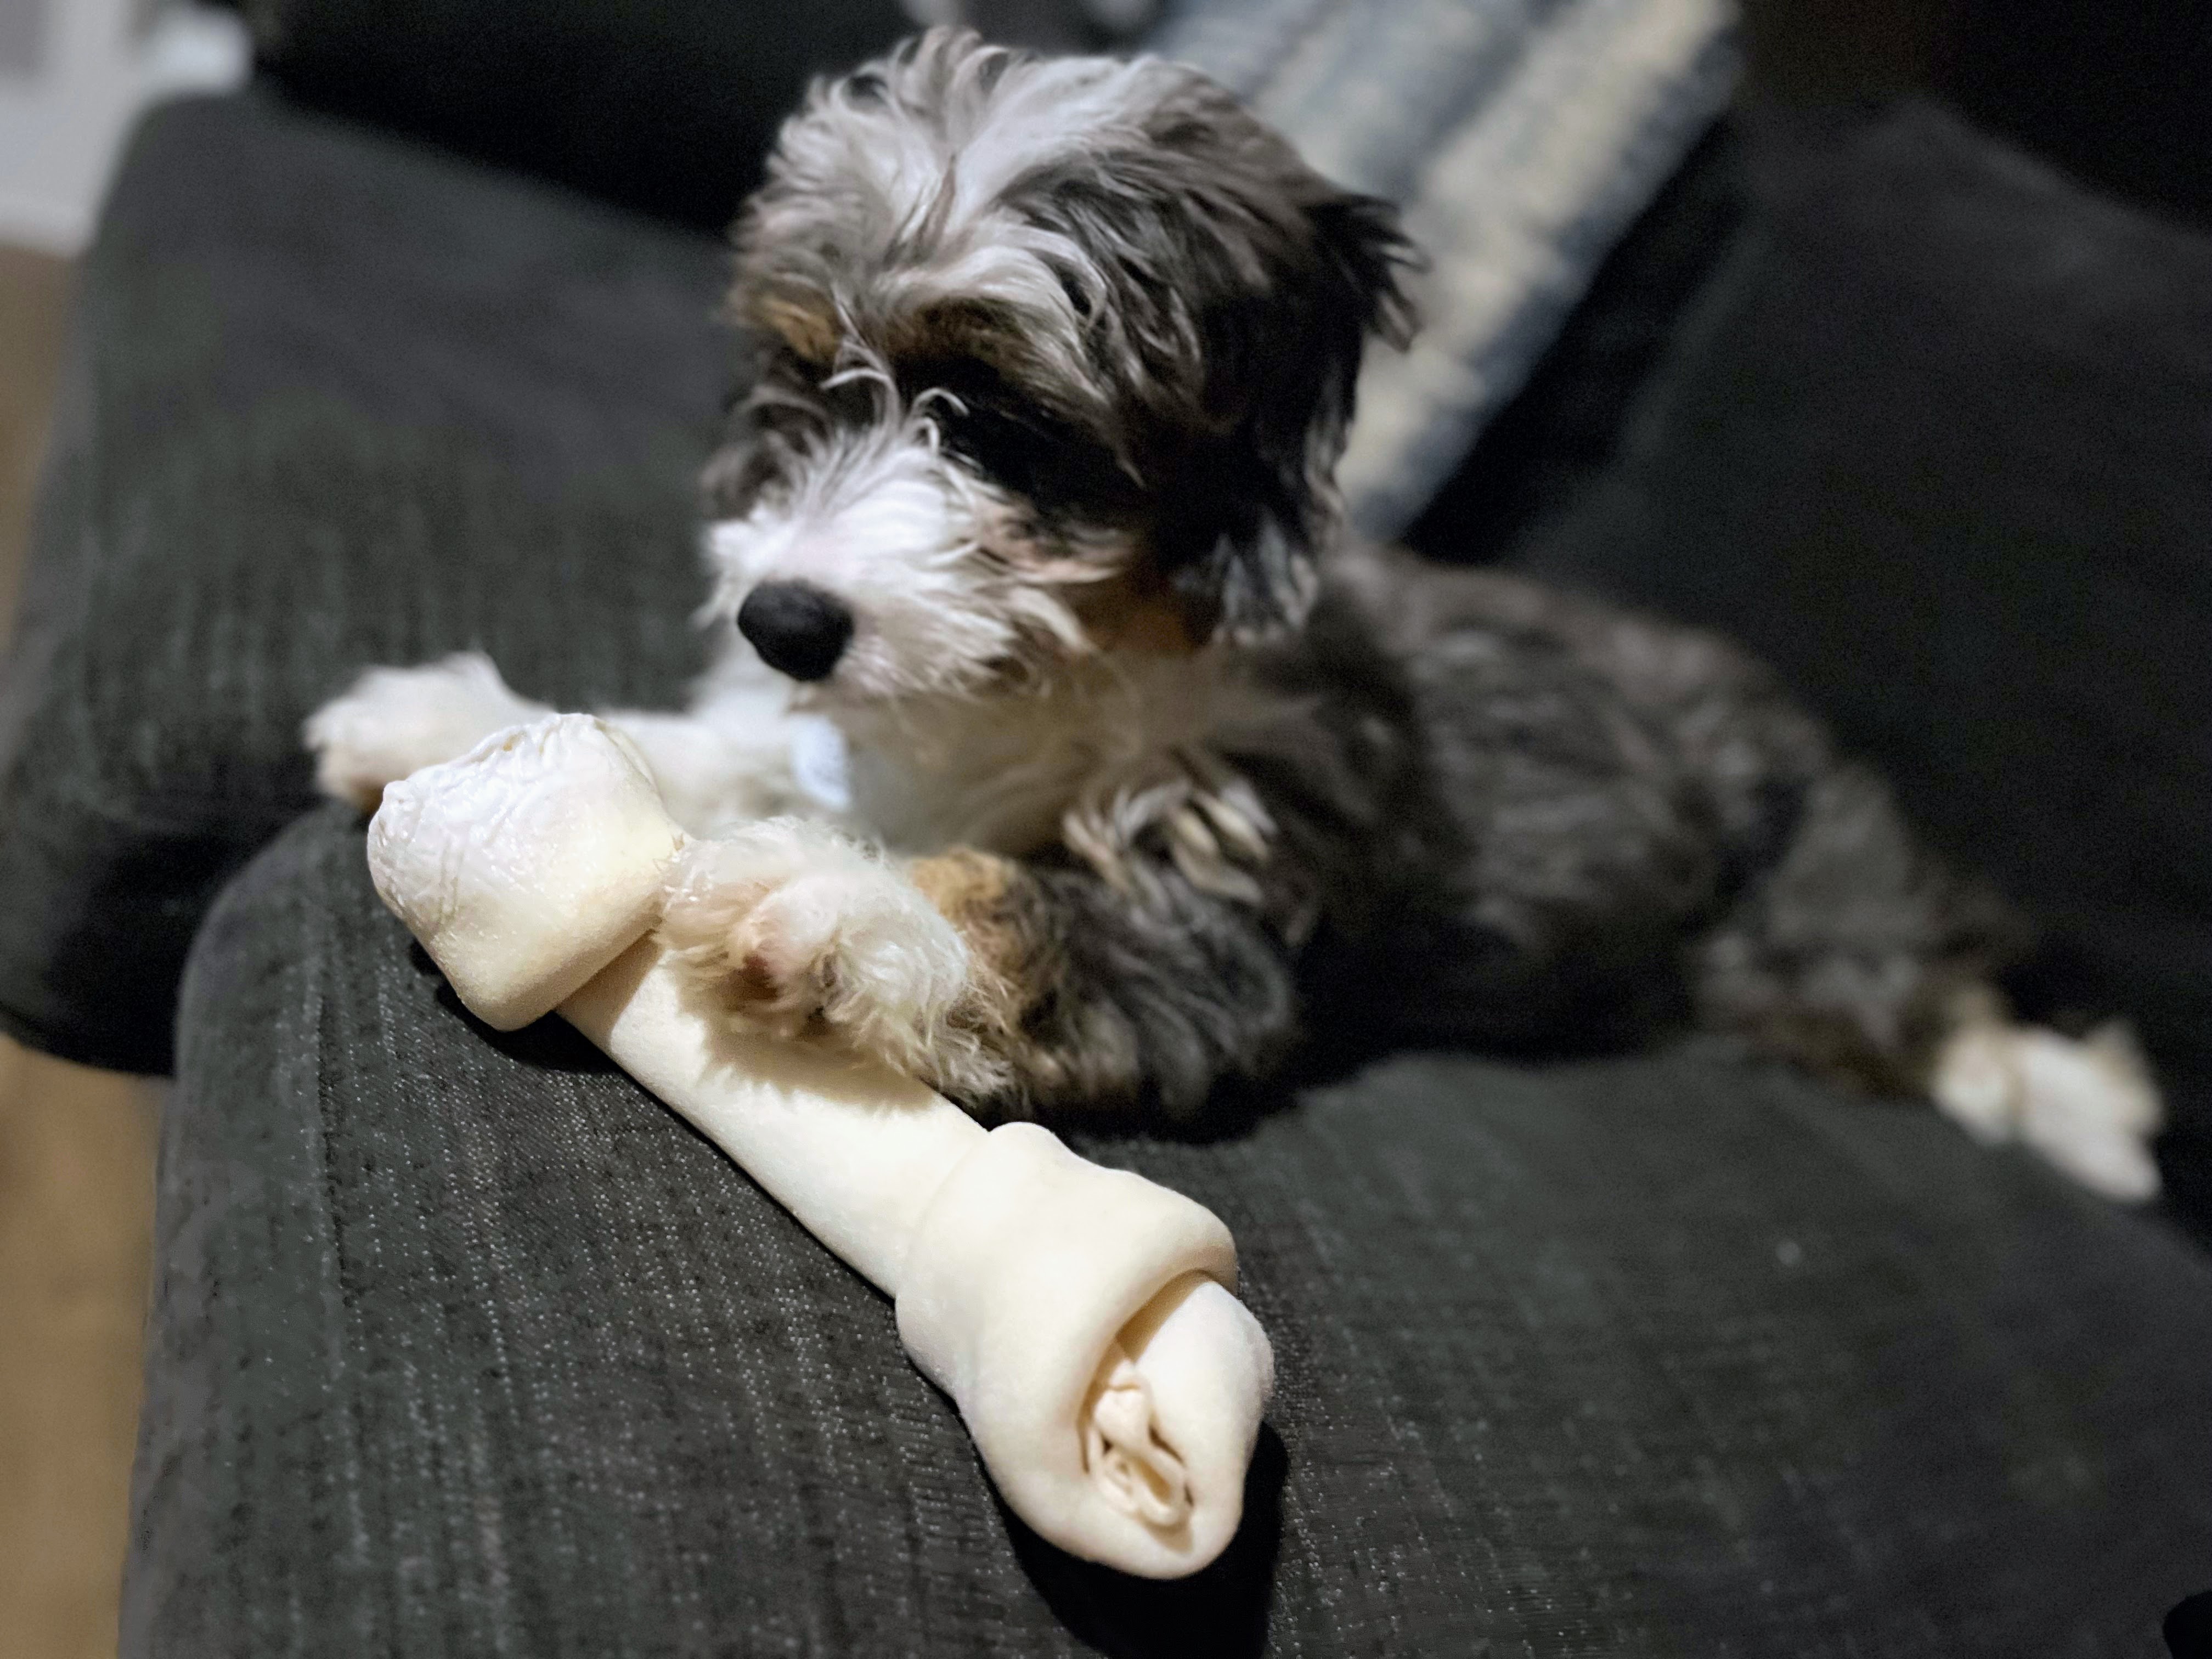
667	106
461	1343
1935	443
331	398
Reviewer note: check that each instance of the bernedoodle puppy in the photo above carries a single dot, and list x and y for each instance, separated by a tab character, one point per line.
1074	758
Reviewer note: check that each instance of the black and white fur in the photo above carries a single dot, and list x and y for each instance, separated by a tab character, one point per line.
1103	768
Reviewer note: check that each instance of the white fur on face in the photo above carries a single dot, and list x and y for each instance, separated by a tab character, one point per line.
919	551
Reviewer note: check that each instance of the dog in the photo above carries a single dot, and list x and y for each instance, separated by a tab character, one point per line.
1071	756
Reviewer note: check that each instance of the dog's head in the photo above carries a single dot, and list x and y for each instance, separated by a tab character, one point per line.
1054	356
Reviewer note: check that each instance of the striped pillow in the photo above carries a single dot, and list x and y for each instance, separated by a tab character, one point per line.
1520	136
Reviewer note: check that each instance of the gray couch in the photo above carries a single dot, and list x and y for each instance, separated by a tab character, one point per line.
463	1344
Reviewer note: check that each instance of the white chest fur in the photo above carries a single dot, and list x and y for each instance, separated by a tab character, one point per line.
1094	757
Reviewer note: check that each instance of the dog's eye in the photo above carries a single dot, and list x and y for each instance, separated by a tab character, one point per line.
1016	442
1001	445
1057	467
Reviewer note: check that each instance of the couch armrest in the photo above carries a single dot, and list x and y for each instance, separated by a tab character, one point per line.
667	106
331	399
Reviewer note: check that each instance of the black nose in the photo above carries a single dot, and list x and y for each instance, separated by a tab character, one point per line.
799	629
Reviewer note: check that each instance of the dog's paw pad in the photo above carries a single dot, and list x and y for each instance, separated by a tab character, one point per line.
2089	1107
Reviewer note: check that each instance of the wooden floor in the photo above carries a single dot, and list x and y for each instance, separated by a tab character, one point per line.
33	304
77	1185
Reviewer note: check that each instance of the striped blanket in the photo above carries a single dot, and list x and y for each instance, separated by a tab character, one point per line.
1519	137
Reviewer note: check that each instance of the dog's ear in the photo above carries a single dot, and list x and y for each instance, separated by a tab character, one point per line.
1283	362
1229	291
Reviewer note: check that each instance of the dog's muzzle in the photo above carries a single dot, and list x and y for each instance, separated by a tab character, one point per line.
798	629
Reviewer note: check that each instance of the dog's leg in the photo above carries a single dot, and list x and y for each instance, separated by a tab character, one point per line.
1103	995
1848	954
725	760
1016	988
392	721
1863	957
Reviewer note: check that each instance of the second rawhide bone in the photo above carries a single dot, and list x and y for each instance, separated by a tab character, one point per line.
1083	1319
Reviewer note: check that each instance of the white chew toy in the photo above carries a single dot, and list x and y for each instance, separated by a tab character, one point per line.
1083	1319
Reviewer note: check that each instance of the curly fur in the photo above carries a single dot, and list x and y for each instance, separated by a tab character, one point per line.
1150	773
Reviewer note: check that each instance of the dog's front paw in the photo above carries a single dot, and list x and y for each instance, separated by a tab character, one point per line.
800	931
393	721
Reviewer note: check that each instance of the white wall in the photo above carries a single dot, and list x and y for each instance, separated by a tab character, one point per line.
59	130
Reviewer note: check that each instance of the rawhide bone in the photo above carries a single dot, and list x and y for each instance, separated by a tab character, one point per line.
1083	1319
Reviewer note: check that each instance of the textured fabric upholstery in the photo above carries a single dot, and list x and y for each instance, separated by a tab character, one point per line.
462	1344
332	399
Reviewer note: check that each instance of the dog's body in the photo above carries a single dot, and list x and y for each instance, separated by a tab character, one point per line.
1139	767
